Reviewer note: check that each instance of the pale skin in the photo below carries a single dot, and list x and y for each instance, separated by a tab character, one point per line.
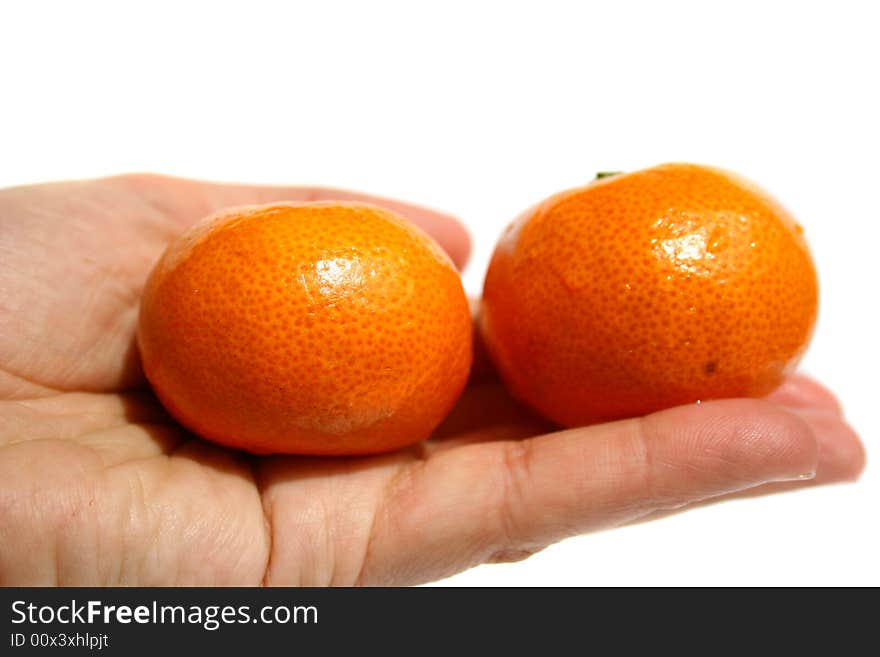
99	486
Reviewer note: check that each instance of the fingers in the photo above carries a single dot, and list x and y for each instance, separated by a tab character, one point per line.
800	391
190	200
841	453
490	501
447	230
483	413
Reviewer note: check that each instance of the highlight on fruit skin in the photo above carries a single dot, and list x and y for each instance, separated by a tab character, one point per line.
646	290
312	328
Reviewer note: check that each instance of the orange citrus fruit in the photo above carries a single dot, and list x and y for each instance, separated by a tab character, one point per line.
312	328
647	290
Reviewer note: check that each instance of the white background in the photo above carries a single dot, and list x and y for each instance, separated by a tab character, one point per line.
482	109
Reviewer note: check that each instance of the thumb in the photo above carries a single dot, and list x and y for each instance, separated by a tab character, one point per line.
503	500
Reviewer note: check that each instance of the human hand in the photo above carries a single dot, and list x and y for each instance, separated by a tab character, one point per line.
99	486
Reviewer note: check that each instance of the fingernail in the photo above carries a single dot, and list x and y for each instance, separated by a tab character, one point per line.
805	476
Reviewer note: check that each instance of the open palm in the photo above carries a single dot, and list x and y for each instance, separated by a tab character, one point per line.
98	485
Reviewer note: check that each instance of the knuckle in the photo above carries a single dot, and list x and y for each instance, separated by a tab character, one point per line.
515	471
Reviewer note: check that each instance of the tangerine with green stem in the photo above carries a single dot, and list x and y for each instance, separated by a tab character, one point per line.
647	290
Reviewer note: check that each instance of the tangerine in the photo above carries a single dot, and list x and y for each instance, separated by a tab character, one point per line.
310	328
647	290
